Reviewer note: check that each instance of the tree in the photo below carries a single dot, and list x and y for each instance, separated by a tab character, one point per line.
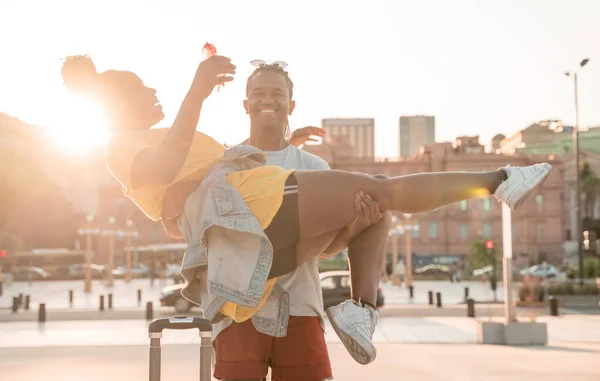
590	187
34	211
479	256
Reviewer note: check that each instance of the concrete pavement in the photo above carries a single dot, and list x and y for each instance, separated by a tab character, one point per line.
572	328
423	362
55	295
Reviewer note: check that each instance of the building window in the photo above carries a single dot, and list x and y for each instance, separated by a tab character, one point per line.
433	229
542	231
464	231
463	205
416	231
487	204
539	200
487	230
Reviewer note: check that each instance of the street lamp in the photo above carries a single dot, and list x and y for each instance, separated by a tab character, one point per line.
408	249
88	231
406	226
578	227
111	251
129	233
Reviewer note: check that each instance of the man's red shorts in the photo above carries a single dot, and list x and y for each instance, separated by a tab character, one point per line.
243	352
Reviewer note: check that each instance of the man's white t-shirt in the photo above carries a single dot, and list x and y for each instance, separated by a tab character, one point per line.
303	284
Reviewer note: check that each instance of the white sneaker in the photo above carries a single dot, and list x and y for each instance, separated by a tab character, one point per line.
355	326
521	183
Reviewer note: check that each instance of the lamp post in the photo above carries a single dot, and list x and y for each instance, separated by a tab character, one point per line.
88	231
111	251
578	227
408	249
129	233
406	225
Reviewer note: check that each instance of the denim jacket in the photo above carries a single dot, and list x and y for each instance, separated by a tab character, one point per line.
228	256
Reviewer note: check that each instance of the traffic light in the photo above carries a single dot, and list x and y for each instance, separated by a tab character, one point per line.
3	253
489	244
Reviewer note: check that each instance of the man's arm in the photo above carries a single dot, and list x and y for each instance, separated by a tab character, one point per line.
367	213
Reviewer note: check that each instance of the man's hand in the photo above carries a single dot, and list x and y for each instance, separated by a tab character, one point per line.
367	214
305	134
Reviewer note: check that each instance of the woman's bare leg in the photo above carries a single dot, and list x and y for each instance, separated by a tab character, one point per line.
365	255
326	198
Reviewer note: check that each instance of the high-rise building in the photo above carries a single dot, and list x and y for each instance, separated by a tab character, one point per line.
416	131
360	133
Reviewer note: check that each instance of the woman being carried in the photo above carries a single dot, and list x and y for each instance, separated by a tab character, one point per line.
227	204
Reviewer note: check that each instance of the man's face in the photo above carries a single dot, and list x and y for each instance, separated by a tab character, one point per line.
269	102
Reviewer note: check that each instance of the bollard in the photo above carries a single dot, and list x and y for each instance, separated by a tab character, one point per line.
466	293
101	302
42	313
430	298
149	312
411	291
110	300
139	292
27	300
438	297
71	298
15	305
470	308
21	299
553	306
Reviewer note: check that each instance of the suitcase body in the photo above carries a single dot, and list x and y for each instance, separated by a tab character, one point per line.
204	327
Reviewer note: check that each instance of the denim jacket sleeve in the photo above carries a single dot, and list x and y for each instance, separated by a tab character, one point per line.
228	256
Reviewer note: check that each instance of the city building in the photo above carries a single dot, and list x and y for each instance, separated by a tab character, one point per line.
551	137
360	133
447	234
415	131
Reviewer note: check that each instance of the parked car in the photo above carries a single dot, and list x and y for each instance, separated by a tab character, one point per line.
26	273
486	270
433	269
77	271
138	270
542	271
334	284
171	297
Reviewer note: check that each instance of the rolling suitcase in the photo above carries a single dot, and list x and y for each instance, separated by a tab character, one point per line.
181	322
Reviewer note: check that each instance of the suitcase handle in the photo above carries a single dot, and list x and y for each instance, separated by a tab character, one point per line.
180	322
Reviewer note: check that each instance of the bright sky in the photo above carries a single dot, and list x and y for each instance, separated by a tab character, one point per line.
480	67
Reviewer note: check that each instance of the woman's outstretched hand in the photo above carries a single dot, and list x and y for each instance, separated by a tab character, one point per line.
213	71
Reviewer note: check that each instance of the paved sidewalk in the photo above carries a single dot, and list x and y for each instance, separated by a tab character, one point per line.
423	362
573	328
55	294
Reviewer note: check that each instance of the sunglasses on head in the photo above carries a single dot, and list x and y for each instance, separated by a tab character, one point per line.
262	63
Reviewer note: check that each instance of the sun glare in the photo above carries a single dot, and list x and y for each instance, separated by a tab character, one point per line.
79	125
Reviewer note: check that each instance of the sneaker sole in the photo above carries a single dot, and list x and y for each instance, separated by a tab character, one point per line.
539	179
357	351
